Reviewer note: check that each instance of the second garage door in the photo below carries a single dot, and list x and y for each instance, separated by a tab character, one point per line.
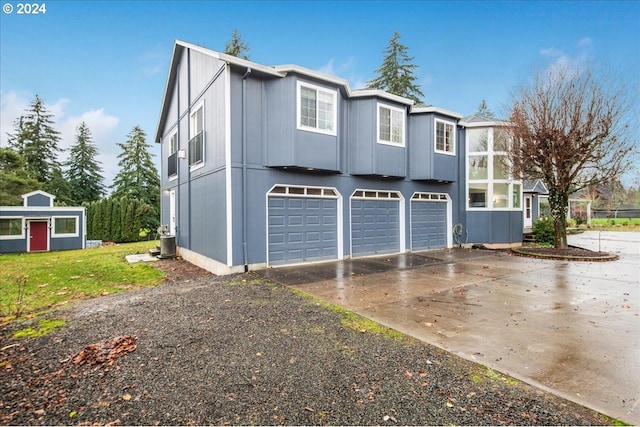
375	222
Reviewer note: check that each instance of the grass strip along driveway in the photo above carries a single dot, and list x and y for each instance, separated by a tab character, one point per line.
244	350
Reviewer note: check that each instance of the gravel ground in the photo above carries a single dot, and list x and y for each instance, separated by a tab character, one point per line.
239	350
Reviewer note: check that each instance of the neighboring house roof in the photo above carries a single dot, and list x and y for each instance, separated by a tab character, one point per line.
534	186
477	120
279	71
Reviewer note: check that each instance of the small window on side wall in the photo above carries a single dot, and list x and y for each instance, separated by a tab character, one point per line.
196	140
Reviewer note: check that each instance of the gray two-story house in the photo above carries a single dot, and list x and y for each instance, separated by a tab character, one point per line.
280	165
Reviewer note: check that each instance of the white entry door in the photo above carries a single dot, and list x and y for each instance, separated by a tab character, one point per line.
527	211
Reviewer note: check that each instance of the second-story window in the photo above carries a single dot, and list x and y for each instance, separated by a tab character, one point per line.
317	109
172	161
445	137
196	140
390	125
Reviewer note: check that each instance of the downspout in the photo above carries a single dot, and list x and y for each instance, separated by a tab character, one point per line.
189	216
245	255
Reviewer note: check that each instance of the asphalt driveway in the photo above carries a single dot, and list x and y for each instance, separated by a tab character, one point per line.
572	328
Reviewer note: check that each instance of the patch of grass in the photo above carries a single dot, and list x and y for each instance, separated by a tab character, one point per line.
57	278
45	326
484	373
355	321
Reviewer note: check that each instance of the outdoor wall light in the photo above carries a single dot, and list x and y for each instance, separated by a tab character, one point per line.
182	154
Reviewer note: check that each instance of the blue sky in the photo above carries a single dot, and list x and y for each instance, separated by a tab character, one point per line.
106	62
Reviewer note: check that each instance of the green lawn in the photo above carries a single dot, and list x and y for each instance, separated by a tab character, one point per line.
617	224
53	279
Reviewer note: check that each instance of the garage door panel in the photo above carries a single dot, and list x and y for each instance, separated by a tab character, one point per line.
428	225
375	227
310	232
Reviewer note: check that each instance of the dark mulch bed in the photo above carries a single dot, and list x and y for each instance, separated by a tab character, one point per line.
242	350
572	253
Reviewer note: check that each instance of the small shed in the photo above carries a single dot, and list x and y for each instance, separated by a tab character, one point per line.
38	226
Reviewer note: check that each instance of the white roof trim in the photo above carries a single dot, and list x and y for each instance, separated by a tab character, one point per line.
432	109
290	68
231	59
492	123
358	93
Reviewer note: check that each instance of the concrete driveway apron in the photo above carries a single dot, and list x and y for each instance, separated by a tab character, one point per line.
571	328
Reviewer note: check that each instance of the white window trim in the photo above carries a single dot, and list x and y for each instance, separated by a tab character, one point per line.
435	137
17	236
404	124
60	235
334	96
171	135
192	114
490	181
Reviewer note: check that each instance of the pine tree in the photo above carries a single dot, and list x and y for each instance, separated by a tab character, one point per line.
395	75
59	187
84	172
138	177
236	46
13	178
36	141
484	110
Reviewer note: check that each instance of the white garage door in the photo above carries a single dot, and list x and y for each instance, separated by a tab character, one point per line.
302	225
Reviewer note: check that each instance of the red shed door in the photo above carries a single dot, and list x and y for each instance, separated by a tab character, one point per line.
38	235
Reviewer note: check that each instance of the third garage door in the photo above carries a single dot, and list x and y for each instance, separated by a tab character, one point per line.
375	222
429	221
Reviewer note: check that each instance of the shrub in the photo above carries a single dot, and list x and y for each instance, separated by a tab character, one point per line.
543	230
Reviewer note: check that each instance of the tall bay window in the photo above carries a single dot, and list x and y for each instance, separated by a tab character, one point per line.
490	184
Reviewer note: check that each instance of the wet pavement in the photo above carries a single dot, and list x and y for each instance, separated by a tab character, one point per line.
572	328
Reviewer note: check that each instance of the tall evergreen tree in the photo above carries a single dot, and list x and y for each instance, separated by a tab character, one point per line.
396	74
138	177
84	172
484	110
236	46
13	178
36	141
59	187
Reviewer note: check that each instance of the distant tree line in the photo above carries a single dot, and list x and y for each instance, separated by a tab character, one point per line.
31	162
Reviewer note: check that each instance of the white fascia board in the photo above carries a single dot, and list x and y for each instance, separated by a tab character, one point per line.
42	209
290	68
495	123
361	93
432	109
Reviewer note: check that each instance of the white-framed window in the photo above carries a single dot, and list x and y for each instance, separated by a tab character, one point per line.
445	137
490	184
172	160
11	228
317	109
196	137
65	226
391	126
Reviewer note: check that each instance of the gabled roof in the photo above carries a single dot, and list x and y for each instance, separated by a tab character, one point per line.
38	193
534	186
279	71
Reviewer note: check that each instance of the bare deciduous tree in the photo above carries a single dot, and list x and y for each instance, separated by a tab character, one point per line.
570	129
